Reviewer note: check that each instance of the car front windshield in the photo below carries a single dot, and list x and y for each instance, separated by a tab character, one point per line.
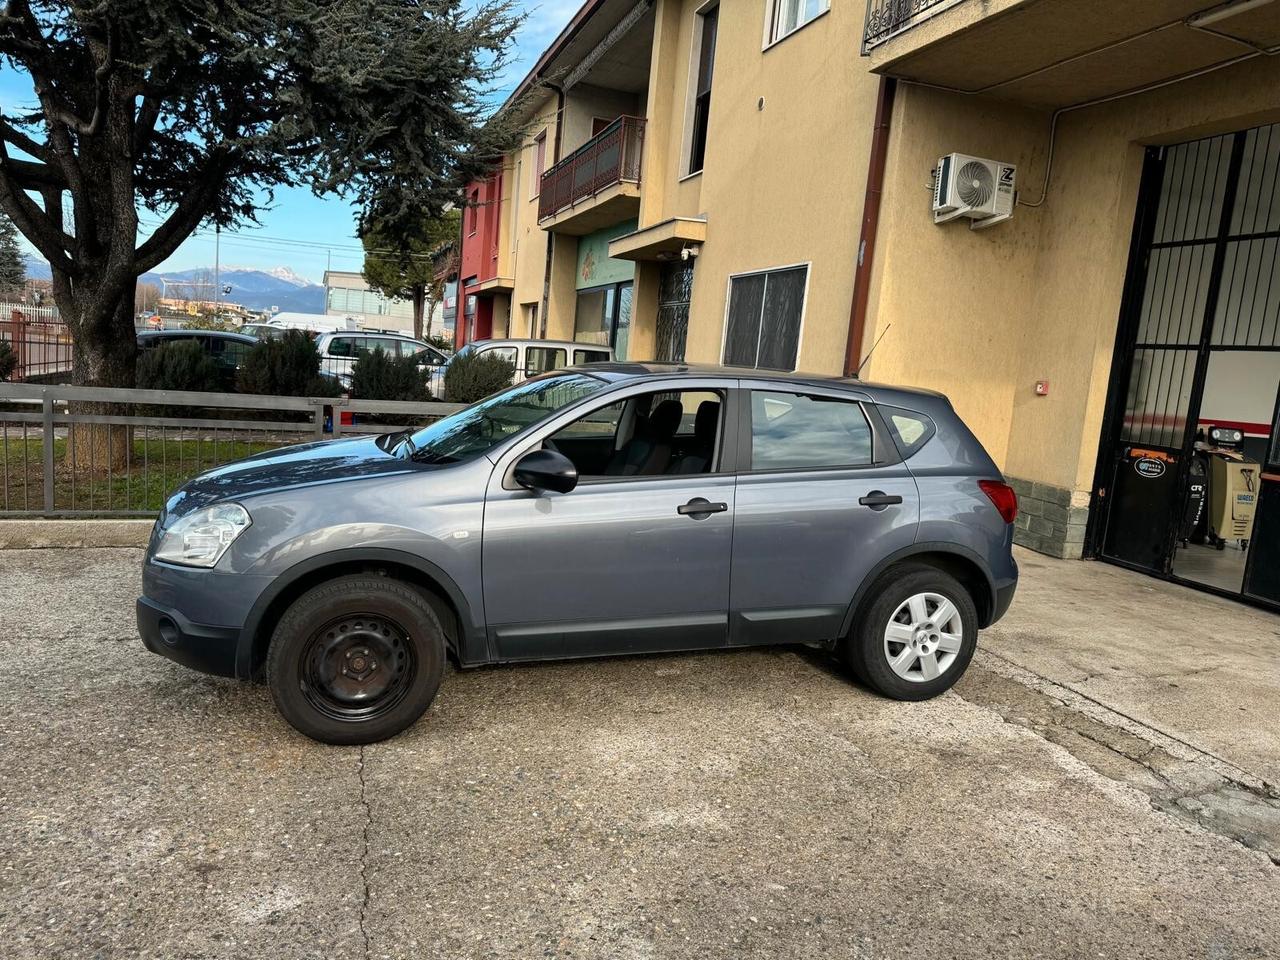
480	427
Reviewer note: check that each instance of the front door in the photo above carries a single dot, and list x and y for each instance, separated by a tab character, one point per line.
818	506
634	559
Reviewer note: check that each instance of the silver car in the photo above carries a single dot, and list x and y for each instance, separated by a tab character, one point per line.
340	349
609	509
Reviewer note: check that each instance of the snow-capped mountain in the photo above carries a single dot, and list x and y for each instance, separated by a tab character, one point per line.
255	288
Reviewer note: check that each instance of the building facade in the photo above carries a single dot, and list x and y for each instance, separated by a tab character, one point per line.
347	294
753	184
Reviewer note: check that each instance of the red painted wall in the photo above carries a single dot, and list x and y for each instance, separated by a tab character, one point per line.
479	258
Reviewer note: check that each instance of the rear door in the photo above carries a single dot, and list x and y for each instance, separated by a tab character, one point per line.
821	498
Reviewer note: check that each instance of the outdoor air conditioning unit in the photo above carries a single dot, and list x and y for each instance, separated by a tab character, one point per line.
982	190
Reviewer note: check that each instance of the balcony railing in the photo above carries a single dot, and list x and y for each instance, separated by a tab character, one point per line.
610	157
888	18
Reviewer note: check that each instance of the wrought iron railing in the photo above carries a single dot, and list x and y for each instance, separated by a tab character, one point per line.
610	157
888	18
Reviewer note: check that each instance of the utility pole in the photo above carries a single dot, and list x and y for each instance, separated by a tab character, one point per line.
217	271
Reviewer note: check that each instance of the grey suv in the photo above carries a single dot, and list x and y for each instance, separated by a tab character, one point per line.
608	509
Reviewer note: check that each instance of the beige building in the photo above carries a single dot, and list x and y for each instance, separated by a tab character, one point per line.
754	183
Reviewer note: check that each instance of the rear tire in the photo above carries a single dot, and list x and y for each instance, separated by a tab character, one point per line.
915	634
356	660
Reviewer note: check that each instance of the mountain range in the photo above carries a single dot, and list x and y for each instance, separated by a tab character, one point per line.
252	287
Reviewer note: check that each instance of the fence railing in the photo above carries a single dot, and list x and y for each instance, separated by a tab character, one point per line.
40	341
888	18
612	156
90	451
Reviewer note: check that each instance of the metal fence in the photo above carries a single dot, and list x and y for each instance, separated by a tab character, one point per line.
90	451
611	156
888	18
40	341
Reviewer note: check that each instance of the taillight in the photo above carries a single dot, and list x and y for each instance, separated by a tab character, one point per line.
1002	495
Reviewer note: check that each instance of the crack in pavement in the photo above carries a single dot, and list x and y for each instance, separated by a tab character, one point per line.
364	853
1178	779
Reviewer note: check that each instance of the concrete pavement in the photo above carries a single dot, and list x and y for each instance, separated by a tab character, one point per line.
751	804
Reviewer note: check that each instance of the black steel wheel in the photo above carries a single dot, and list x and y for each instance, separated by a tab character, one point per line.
356	660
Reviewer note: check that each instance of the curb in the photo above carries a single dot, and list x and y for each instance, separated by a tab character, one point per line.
33	534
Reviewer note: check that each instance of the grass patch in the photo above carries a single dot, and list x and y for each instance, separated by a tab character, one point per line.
157	466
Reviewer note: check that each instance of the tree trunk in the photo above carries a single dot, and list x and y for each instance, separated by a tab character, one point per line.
419	296
103	353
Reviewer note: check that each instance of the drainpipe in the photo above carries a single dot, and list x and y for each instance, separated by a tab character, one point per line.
870	223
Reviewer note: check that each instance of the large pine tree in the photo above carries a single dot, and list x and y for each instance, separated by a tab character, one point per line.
186	112
13	268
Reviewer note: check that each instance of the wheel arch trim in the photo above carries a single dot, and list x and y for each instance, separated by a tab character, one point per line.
986	605
470	639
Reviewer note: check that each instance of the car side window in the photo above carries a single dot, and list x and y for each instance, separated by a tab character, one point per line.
506	353
542	360
910	430
590	356
797	431
654	434
342	347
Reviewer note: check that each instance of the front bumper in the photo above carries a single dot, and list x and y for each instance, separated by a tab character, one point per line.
199	646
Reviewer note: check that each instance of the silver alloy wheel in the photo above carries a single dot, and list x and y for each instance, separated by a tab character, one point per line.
923	637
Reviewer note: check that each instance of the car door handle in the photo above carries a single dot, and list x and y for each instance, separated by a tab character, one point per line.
698	508
878	499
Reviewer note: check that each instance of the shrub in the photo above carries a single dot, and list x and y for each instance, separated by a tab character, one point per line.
8	360
377	375
286	367
473	376
178	365
441	341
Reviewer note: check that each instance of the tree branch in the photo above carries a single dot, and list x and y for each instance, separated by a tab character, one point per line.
47	237
186	216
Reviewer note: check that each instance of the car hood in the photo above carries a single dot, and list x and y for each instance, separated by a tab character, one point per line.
303	465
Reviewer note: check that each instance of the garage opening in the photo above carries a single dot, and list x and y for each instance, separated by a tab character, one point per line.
1188	484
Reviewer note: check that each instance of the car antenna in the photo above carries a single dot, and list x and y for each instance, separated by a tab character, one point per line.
857	373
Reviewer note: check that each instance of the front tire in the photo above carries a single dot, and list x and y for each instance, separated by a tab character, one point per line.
356	660
916	633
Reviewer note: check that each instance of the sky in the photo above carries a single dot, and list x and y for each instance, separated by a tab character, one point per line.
303	232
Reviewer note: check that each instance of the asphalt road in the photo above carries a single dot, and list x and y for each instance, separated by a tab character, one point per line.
751	804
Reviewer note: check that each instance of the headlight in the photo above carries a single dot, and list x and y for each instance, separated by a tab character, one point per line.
201	538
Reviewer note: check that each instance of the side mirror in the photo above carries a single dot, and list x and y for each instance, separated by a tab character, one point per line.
546	470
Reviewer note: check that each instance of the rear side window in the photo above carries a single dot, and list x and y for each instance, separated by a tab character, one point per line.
910	430
542	360
342	347
590	356
796	431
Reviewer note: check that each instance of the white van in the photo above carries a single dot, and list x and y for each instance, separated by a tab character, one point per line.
529	357
338	352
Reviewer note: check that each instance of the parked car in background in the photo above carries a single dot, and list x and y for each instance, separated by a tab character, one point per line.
227	349
529	357
338	352
262	331
607	509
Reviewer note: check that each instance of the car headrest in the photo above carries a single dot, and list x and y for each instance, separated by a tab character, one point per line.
665	420
706	420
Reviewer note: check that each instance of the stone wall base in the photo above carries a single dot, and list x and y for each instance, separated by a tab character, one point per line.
1051	520
29	534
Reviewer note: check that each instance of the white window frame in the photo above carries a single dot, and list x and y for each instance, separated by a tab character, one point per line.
804	309
773	21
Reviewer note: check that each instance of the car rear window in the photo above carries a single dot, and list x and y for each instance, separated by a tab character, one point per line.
910	430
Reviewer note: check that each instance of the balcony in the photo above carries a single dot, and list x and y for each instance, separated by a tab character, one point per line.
1056	53
598	184
888	18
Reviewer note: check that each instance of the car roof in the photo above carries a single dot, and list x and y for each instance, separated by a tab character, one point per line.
516	341
183	332
372	333
619	371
